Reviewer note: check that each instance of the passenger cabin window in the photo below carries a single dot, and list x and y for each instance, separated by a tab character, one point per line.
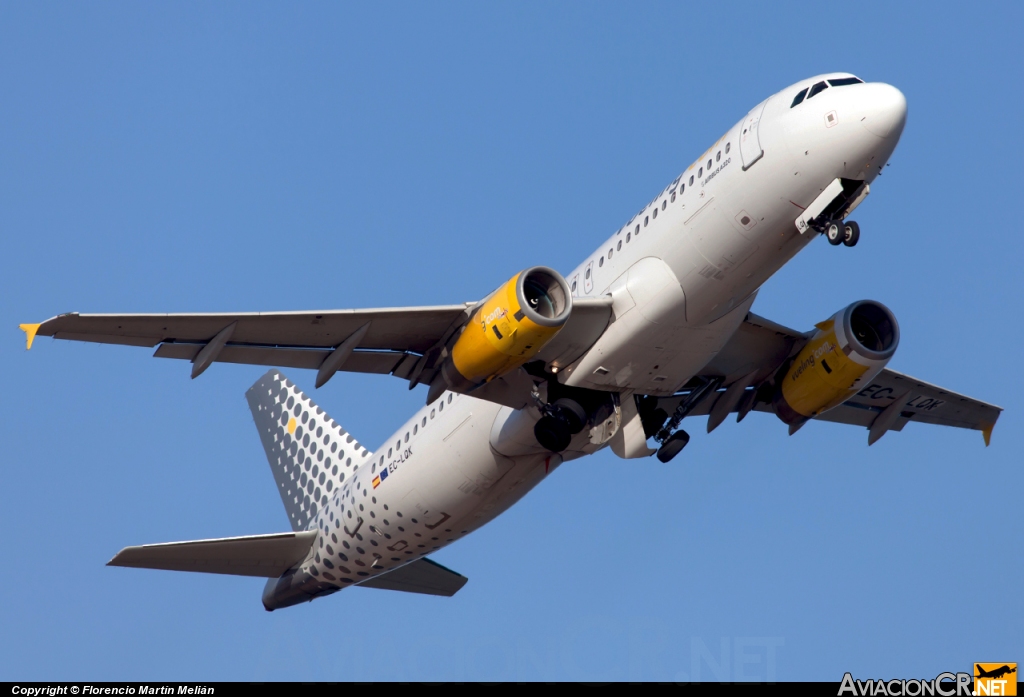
610	252
843	81
601	262
718	156
818	87
727	145
628	235
655	214
673	197
587	274
663	204
645	221
683	188
700	172
796	100
709	165
691	180
618	247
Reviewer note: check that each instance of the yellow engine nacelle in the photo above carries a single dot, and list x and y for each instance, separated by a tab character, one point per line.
509	328
847	351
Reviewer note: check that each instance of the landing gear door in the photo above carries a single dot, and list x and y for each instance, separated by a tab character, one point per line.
750	143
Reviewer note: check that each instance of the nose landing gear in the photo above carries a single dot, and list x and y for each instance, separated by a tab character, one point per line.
851	234
837	232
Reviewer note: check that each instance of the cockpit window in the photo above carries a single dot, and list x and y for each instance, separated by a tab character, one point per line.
842	81
818	87
799	98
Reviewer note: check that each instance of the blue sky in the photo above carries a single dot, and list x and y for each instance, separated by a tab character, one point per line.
250	156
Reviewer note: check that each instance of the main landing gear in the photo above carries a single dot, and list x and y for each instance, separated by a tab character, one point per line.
559	423
673	445
837	232
672	438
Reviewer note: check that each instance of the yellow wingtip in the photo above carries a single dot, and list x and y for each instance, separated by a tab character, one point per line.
986	431
30	333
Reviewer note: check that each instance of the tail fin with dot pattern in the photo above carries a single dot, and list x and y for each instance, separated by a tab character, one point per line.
309	453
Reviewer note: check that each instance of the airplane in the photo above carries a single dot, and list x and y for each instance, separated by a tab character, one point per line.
653	327
994	673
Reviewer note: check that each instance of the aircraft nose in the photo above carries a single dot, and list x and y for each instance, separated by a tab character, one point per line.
885	110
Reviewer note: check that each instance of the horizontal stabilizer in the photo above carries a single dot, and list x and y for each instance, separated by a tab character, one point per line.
421	576
267	556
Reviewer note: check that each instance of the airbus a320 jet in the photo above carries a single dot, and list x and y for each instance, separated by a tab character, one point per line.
654	326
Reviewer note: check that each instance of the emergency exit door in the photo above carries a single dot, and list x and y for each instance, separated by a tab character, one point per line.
750	142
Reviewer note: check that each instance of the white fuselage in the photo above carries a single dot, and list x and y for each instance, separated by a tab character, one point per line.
682	274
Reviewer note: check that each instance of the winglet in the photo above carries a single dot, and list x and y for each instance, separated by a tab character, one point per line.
986	431
30	333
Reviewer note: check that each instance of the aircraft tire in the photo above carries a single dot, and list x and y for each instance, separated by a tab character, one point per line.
834	232
851	234
673	445
552	433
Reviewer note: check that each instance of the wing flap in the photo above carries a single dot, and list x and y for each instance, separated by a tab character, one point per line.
106	339
266	556
421	576
381	362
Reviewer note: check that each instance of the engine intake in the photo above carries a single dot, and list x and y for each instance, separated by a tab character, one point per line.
509	328
848	350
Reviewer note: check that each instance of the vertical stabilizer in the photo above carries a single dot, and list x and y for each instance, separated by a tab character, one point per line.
309	453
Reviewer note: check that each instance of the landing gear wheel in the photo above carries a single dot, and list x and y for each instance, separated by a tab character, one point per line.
851	234
552	433
673	445
834	232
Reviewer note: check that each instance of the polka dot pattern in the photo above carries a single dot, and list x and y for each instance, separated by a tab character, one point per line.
325	478
309	453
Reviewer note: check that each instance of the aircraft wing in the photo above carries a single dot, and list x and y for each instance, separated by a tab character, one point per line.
407	342
922	402
760	347
292	339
